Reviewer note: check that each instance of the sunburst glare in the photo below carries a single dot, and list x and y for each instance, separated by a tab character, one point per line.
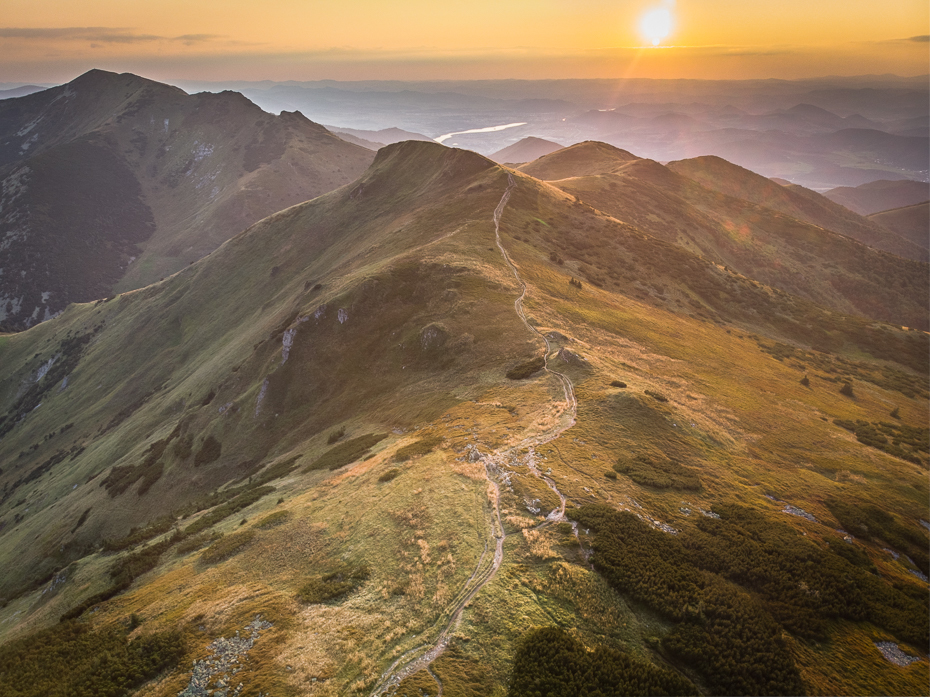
656	24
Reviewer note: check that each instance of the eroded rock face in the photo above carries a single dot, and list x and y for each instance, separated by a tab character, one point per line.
572	358
433	336
224	662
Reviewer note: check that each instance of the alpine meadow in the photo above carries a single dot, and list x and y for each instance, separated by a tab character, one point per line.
404	383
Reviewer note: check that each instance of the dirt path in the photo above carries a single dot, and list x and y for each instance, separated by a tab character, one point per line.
422	656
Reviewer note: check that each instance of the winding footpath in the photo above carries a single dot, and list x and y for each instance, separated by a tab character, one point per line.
420	657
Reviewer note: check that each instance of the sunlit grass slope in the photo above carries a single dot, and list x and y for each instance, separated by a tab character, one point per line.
370	331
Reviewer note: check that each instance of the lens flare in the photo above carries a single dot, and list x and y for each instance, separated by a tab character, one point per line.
655	25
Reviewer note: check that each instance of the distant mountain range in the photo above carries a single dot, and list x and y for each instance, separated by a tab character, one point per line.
881	195
525	150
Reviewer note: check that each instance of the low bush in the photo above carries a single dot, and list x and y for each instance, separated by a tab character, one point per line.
209	452
661	473
658	396
527	368
549	661
617	383
227	546
346	453
71	659
388	475
273	520
417	448
333	585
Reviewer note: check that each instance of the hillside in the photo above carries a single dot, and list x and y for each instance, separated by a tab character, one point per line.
525	150
795	201
386	441
911	222
111	182
881	195
757	241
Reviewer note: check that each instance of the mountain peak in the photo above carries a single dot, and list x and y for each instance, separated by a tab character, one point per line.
97	79
583	159
526	150
422	163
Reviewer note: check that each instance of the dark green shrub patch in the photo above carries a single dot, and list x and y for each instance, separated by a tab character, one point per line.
899	440
417	448
389	475
227	546
869	522
209	452
138	535
333	585
73	660
346	453
273	520
527	368
658	472
550	662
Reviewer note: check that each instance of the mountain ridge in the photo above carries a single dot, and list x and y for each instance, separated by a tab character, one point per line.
204	166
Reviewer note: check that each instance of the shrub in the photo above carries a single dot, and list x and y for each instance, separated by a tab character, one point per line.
346	452
227	546
209	452
847	389
895	413
195	542
660	473
184	447
658	396
224	509
334	584
389	475
72	659
273	519
617	383
805	381
610	474
420	447
334	436
137	535
527	368
549	661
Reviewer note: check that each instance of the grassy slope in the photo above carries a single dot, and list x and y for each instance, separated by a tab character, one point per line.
881	195
762	243
911	222
421	229
190	172
795	201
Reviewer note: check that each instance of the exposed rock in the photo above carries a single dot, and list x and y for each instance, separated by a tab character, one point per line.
433	336
894	654
572	358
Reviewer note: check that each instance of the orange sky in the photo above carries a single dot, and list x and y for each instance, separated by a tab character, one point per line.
54	40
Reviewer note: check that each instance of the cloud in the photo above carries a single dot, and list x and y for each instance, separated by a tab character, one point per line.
98	35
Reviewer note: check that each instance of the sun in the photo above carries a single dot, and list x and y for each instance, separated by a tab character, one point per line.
656	24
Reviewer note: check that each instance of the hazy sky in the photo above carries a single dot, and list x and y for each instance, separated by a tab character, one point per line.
54	40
